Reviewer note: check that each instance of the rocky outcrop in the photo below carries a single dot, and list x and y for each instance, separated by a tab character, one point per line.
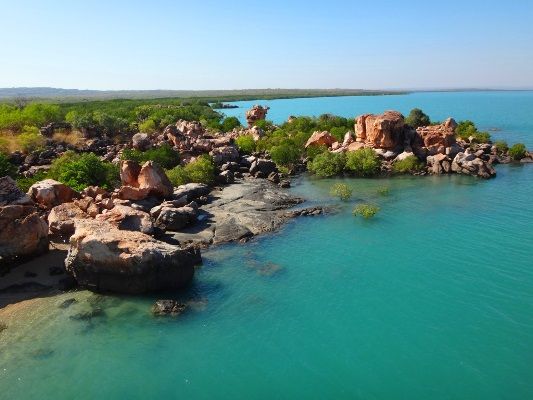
435	139
23	232
385	131
49	193
255	114
469	164
320	139
173	218
141	182
103	258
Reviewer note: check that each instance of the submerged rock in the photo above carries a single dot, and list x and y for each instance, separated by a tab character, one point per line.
168	307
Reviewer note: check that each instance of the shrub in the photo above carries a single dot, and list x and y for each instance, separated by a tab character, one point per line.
230	123
164	155
81	170
342	191
245	144
501	146
5	145
148	126
327	164
417	118
517	151
365	210
467	129
407	165
286	154
6	168
264	124
383	191
363	162
313	151
202	170
30	139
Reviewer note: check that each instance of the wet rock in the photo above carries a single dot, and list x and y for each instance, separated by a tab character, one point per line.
67	283
67	303
54	271
168	307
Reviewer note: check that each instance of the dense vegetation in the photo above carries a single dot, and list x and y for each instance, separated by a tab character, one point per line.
408	165
202	170
467	129
517	151
365	210
163	155
342	191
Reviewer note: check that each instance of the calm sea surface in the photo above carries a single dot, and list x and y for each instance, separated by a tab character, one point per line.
431	299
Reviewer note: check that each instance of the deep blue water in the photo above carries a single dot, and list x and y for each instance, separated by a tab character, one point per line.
430	299
509	113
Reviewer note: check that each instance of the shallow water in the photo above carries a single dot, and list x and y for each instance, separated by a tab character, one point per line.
432	298
507	114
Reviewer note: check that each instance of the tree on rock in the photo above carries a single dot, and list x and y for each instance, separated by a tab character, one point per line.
417	118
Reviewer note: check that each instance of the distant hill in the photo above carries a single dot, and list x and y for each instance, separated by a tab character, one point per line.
58	94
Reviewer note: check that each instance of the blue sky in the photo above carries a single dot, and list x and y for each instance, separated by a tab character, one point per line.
258	44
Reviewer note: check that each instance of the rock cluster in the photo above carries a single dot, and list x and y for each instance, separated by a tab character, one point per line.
140	182
386	131
23	233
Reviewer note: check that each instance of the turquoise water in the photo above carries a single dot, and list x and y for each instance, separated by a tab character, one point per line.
508	113
431	299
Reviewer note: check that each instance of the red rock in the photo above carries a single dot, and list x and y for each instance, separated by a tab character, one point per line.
385	131
129	171
153	178
320	138
256	113
436	138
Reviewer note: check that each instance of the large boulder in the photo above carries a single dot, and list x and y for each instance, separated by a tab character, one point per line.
262	167
385	131
255	114
103	258
129	171
50	193
467	163
320	139
23	232
439	164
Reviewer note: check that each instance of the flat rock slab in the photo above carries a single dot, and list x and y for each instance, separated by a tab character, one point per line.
240	211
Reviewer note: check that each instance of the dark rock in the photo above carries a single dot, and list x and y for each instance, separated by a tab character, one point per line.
54	271
29	274
67	283
168	307
67	303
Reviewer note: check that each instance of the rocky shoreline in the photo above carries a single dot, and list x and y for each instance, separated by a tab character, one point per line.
147	234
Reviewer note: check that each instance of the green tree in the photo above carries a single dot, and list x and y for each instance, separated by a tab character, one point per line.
363	162
230	123
417	118
517	151
327	164
164	155
245	144
202	170
285	154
